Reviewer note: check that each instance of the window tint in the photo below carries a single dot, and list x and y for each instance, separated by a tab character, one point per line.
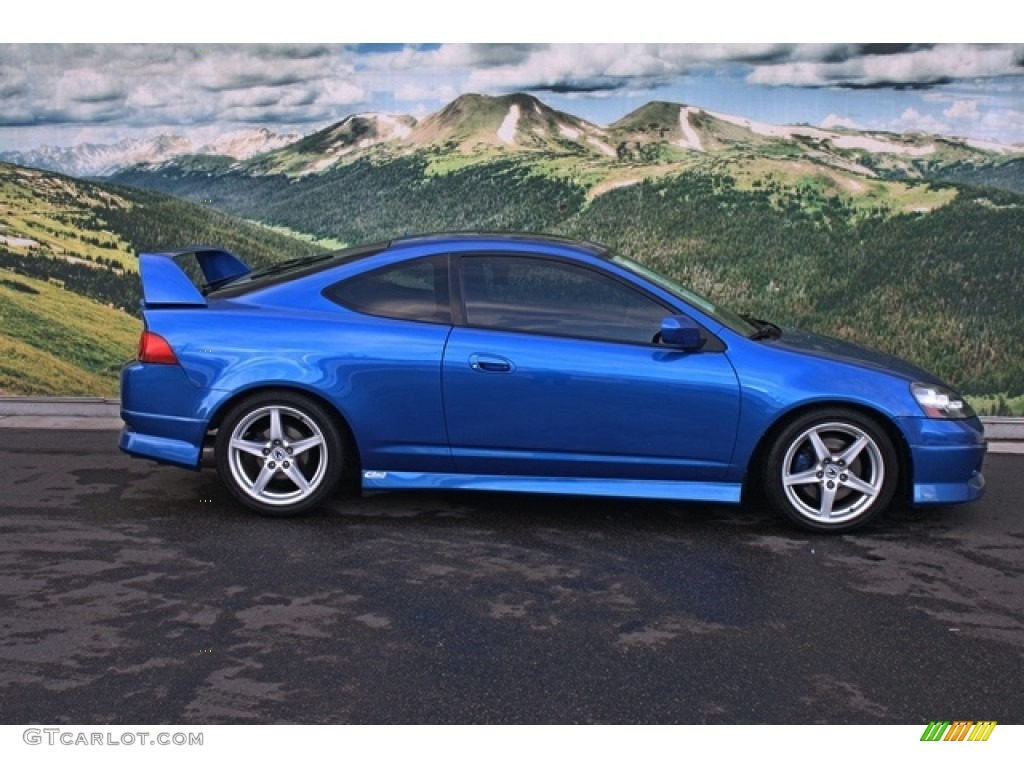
537	295
415	290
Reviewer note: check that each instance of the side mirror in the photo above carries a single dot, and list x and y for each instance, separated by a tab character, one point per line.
681	332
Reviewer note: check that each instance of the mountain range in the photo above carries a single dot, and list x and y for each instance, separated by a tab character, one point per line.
909	243
100	160
475	127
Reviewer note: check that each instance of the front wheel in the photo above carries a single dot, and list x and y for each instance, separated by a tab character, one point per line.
279	453
832	470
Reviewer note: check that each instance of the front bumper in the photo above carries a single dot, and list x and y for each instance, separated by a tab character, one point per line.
946	460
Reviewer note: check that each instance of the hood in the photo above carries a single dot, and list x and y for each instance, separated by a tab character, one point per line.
845	351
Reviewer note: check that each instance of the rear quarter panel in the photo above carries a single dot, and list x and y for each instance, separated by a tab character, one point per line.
382	376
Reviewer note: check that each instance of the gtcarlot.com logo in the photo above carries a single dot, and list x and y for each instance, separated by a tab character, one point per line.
958	730
67	738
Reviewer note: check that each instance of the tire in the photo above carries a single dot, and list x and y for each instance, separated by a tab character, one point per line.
832	470
280	453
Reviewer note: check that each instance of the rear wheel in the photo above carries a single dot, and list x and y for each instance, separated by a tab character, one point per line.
832	470
280	453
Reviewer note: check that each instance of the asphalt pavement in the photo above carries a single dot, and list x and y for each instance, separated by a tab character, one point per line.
136	593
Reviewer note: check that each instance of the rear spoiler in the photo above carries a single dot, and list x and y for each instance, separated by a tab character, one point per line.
165	283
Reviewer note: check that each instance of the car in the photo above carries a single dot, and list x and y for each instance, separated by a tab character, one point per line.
522	363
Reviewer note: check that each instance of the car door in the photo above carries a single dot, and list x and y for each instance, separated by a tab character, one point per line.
387	374
554	373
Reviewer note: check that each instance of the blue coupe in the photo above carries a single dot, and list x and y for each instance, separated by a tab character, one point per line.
508	362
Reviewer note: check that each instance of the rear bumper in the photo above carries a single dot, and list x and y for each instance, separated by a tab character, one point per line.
947	458
166	450
172	435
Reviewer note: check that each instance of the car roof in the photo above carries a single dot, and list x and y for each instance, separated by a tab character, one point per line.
497	238
438	240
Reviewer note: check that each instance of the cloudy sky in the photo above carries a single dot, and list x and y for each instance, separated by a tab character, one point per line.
64	94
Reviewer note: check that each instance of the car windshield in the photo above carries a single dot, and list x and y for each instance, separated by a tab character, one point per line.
725	316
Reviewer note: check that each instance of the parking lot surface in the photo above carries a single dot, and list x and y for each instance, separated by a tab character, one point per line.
132	593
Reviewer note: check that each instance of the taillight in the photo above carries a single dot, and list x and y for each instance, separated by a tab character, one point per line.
153	348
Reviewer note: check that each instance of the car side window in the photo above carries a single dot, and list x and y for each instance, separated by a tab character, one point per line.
416	290
539	295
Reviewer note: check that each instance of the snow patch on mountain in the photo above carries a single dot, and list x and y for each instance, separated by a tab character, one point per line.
507	129
568	132
384	127
395	128
881	146
601	146
690	139
107	159
607	186
866	142
101	159
19	242
771	130
991	146
246	143
322	164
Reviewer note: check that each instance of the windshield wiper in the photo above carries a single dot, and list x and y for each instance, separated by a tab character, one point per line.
764	329
284	266
273	269
213	285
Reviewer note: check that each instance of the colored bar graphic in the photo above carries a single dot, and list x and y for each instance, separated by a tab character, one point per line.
935	730
958	730
982	730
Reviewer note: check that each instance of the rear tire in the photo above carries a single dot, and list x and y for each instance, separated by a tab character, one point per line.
832	470
280	453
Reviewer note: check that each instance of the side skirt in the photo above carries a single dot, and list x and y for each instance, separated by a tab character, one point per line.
380	480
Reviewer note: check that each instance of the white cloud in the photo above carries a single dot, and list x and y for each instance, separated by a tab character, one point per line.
593	67
418	91
999	124
338	93
837	121
962	109
88	86
912	120
923	67
174	84
192	87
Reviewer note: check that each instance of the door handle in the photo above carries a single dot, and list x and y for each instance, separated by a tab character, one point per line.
490	363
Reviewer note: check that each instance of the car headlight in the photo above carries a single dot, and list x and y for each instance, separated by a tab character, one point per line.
941	402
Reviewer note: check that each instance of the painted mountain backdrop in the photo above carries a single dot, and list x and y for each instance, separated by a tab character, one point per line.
907	242
106	159
477	126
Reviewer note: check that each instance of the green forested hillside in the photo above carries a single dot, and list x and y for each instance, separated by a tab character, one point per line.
368	201
54	341
943	289
910	243
86	236
930	272
69	286
1007	175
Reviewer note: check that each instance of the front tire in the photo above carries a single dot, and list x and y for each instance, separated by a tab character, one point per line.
832	470
280	453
